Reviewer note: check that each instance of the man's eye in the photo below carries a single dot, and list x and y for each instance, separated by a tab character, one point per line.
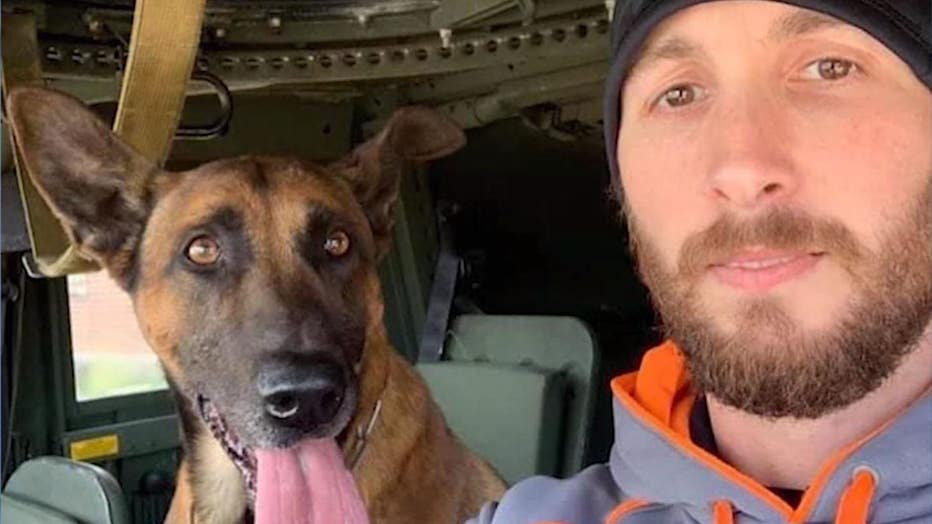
681	95
830	69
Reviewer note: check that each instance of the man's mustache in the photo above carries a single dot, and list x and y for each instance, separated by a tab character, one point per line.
778	229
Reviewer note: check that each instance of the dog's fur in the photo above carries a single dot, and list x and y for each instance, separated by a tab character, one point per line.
275	289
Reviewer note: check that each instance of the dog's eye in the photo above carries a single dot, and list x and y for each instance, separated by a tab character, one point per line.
337	243
203	251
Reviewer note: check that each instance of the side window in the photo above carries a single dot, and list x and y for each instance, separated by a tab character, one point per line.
111	358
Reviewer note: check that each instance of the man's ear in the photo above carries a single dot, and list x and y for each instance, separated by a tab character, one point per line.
95	184
374	169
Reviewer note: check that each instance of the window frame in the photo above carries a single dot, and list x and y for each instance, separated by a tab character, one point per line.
85	414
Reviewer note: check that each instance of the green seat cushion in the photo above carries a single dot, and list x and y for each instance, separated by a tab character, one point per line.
16	511
84	492
512	415
556	343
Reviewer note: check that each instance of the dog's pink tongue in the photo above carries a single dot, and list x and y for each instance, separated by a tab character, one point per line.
307	484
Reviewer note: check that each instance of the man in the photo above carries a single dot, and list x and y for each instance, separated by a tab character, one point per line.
774	160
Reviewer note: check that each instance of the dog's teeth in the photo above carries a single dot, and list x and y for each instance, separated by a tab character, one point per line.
357	367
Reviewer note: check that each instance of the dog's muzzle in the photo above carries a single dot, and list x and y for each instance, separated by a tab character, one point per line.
241	455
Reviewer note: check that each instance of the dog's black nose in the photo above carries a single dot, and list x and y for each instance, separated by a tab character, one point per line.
300	393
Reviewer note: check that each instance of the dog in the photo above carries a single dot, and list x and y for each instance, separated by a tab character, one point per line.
254	281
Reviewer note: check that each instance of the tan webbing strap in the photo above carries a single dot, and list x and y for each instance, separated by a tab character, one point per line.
162	50
22	67
163	47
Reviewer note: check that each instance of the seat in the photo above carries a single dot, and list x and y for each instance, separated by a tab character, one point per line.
519	390
18	512
56	490
511	415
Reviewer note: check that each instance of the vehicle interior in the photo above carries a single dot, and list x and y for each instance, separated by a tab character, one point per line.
511	253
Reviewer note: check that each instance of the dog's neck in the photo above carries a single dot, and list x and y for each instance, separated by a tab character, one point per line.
374	375
361	436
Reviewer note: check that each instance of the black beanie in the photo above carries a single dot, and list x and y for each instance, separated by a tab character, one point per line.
902	25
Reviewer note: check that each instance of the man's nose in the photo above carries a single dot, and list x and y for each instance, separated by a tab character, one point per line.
751	166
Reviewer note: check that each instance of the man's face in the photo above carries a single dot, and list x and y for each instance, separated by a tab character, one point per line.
776	169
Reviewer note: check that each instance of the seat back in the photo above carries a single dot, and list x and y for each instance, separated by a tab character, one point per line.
511	375
558	343
510	415
17	511
53	490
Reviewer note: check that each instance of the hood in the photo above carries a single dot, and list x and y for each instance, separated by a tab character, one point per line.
884	477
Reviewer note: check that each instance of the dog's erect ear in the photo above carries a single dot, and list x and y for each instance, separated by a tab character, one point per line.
94	183
412	134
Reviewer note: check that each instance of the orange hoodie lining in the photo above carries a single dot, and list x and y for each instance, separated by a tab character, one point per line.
623	509
658	369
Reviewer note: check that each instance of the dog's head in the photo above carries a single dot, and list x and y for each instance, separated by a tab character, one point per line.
253	278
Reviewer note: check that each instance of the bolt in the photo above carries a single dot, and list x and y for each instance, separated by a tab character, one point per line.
95	26
53	54
79	57
446	37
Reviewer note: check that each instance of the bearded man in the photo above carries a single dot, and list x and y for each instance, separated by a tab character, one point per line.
774	163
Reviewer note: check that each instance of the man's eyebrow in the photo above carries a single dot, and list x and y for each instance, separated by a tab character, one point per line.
795	24
674	48
801	22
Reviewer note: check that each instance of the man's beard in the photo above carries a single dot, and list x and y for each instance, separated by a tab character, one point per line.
769	365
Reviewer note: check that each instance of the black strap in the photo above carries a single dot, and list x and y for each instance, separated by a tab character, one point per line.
10	355
442	292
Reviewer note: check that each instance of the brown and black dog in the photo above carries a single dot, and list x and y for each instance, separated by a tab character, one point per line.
254	280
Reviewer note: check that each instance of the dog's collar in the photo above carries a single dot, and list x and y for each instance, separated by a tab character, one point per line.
362	437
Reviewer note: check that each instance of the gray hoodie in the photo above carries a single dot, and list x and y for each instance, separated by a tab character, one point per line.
657	475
